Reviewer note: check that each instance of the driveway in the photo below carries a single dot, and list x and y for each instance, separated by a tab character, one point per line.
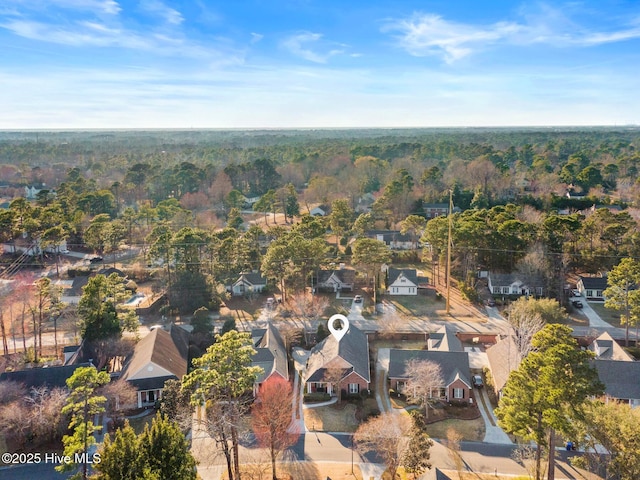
594	318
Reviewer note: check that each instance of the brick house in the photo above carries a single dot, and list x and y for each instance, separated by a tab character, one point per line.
335	366
453	365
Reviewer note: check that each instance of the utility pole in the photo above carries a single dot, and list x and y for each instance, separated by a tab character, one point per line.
449	252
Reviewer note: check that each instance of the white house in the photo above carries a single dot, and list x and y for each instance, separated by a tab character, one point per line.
402	281
513	284
592	288
248	283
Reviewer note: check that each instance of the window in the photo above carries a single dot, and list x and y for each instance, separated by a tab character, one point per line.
400	386
496	289
354	388
402	280
506	289
152	397
589	293
458	393
598	293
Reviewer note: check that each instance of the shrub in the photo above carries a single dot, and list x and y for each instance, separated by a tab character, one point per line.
316	397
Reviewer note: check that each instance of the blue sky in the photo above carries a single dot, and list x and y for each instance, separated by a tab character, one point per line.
308	63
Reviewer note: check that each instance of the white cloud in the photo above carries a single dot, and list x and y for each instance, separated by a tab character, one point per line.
298	45
168	14
109	7
425	34
256	37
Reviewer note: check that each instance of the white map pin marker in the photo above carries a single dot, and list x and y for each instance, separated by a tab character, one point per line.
338	326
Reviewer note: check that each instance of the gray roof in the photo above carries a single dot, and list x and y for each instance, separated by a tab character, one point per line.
409	273
345	275
594	283
445	340
606	348
621	379
271	354
453	364
503	358
51	377
353	348
252	278
506	279
389	236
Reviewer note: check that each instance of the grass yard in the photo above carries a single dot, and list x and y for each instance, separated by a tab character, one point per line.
470	430
139	423
332	418
427	306
610	316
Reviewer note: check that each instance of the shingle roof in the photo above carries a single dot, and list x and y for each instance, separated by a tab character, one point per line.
345	275
621	379
409	273
594	283
252	278
606	348
158	348
271	353
353	348
503	357
453	364
445	340
506	279
51	377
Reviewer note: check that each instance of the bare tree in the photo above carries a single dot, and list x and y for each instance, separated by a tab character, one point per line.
425	380
121	396
388	436
309	308
525	322
11	391
271	418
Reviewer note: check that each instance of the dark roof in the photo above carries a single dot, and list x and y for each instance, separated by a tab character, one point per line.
271	354
453	364
252	278
621	379
345	275
46	376
77	285
154	383
594	283
353	348
408	273
388	236
436	205
108	271
506	279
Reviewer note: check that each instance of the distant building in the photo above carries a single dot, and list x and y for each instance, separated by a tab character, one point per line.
251	282
336	280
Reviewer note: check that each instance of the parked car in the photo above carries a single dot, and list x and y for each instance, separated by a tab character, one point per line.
357	299
577	304
96	260
477	381
491	302
576	293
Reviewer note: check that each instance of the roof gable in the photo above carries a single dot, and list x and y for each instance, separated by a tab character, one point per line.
454	365
445	340
621	379
271	354
157	355
397	274
353	348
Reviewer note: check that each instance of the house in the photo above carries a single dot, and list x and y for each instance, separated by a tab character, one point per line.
514	284
319	211
158	357
606	348
72	289
52	377
592	288
365	203
453	365
402	281
271	354
31	192
336	280
343	365
503	358
393	239
621	380
433	210
444	340
248	283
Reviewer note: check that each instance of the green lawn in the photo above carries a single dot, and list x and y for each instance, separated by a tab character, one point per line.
606	314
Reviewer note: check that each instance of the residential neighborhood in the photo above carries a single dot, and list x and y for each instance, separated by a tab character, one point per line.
208	320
